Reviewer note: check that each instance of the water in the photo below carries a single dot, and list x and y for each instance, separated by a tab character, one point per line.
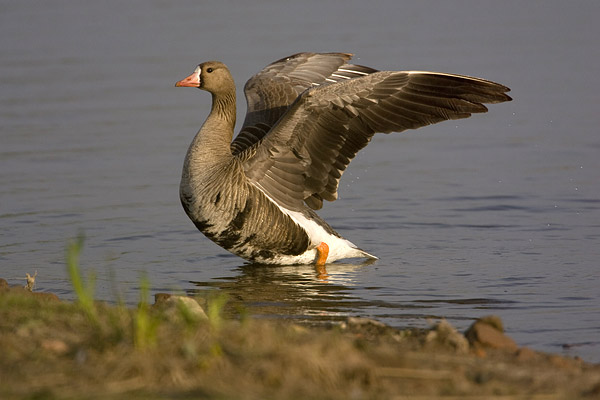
497	214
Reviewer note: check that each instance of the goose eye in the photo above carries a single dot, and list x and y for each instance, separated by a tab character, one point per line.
209	70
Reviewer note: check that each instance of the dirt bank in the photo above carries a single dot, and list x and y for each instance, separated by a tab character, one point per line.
184	349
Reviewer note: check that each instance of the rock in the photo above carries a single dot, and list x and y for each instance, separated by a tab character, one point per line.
362	321
177	304
494	321
161	298
526	354
487	333
55	346
3	284
370	329
446	335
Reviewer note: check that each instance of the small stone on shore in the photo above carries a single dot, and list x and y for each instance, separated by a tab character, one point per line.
487	333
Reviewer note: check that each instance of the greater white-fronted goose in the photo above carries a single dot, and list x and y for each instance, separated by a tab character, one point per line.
308	115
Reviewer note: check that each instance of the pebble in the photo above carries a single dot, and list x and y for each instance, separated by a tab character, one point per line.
171	303
487	333
55	345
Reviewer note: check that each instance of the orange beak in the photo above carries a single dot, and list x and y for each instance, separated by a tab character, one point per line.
191	81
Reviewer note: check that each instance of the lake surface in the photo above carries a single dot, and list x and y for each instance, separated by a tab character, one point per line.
496	214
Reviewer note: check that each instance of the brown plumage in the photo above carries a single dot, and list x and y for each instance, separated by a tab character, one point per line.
308	116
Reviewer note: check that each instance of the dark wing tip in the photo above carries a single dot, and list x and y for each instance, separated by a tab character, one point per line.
469	88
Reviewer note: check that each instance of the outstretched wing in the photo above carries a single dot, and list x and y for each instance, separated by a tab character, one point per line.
270	92
305	154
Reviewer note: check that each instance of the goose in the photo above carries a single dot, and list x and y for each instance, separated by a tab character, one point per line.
308	115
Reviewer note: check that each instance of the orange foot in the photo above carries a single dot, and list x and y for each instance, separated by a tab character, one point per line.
322	253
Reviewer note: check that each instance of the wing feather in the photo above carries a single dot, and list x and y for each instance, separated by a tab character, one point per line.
270	92
304	155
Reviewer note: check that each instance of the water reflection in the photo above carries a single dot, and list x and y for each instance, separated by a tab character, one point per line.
300	292
306	294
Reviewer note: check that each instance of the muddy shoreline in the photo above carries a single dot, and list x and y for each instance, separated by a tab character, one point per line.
182	347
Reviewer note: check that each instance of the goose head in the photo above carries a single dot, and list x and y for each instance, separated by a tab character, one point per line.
212	76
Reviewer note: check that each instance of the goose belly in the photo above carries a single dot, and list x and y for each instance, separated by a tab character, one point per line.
248	225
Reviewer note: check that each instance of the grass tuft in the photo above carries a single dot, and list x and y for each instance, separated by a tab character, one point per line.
145	323
84	289
216	304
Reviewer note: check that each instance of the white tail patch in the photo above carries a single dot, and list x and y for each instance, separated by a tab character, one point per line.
339	247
